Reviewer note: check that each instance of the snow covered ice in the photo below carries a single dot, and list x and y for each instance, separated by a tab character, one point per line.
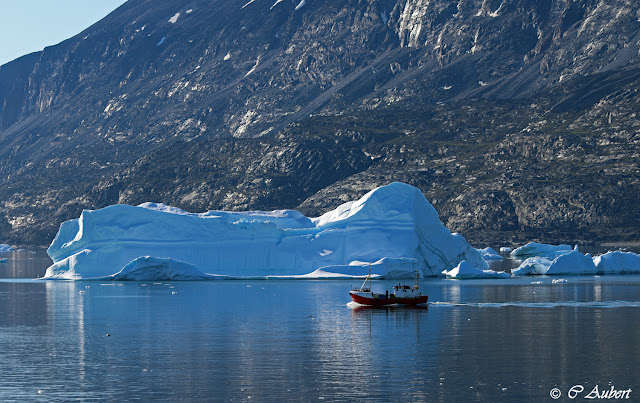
618	263
540	249
393	227
533	265
147	268
465	270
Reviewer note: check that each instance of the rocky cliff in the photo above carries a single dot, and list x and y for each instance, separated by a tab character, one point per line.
517	118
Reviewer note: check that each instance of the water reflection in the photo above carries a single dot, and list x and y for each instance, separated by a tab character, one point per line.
24	264
21	304
273	340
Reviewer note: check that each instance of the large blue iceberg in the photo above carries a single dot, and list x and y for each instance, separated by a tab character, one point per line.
394	223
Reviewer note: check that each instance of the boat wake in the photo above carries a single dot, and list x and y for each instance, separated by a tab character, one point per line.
550	304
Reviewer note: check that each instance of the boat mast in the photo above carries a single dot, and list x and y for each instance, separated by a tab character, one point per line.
368	278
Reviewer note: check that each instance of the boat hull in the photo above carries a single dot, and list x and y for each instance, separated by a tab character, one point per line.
381	300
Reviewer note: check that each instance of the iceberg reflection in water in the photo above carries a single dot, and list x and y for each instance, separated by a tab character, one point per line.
289	339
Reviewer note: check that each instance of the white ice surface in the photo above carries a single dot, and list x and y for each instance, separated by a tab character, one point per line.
394	222
464	270
5	248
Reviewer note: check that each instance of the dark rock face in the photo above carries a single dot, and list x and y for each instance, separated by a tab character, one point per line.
517	118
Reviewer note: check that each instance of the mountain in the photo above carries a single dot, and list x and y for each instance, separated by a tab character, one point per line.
516	118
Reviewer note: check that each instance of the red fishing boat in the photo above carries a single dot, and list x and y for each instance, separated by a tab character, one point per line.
401	294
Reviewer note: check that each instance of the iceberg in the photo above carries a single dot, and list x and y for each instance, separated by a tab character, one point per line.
540	249
505	249
618	262
490	254
5	248
393	222
533	265
573	262
465	270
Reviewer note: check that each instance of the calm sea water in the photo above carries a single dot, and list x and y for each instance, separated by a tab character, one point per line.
272	340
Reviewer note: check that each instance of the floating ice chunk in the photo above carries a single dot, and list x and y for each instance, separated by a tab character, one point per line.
464	270
189	11
573	262
4	260
275	4
540	249
147	268
161	41
174	19
325	252
5	248
227	56
533	265
559	281
618	263
393	221
490	254
300	5
249	2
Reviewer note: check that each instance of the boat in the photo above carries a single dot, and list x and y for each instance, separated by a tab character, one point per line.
401	294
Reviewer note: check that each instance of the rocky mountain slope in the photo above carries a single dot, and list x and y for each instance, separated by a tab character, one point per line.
517	118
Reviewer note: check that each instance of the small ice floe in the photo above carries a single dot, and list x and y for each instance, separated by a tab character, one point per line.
559	281
572	263
618	262
5	248
540	249
227	56
447	87
250	1
174	19
464	270
325	252
490	254
161	41
505	249
300	5
533	265
4	260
